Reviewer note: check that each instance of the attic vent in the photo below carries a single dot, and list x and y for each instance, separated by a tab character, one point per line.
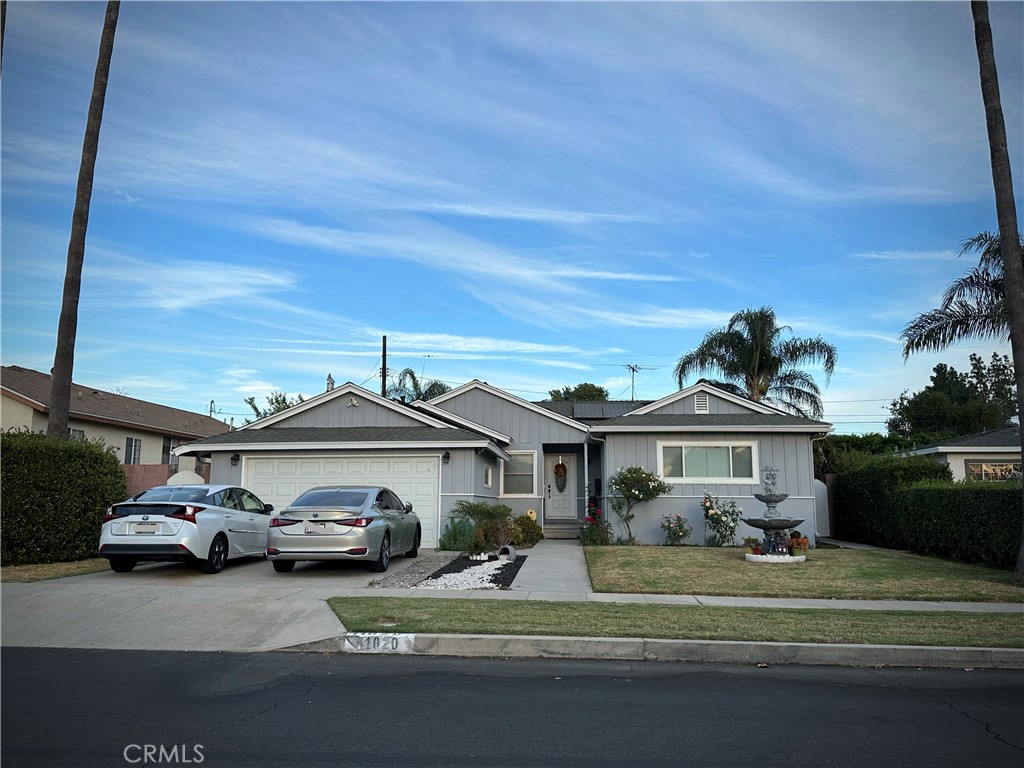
700	403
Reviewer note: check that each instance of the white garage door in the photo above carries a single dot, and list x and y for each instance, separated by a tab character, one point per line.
278	480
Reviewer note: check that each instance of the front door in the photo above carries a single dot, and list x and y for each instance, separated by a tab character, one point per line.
559	487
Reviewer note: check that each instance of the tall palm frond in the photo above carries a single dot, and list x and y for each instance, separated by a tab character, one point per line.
972	307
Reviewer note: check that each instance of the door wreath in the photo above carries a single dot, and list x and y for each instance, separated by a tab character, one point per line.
560	475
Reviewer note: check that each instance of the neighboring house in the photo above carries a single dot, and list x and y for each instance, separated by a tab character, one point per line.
991	455
144	434
482	444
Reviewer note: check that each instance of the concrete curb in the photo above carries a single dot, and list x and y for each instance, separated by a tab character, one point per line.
640	649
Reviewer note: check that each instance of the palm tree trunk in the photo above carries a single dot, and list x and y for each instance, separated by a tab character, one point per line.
1006	212
67	328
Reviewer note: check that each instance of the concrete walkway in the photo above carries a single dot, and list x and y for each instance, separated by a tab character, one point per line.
250	607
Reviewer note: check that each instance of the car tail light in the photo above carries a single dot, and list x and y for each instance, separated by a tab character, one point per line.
357	551
358	522
187	513
109	515
272	550
280	522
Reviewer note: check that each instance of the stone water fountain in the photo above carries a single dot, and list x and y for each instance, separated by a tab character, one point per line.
776	540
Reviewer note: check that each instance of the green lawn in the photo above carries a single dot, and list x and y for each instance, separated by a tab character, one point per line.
43	571
851	574
540	617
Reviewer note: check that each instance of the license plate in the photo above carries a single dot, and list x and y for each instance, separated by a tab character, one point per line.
147	527
317	528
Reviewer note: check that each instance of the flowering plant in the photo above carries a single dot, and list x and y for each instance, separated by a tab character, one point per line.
677	530
798	543
632	486
721	517
596	530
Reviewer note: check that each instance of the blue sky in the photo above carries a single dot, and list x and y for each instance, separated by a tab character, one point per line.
529	194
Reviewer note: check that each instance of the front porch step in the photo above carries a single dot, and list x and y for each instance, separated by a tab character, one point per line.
561	530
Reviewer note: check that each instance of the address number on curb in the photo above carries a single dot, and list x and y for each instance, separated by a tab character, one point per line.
378	643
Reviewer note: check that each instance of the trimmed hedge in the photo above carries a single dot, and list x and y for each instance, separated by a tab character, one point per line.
972	522
54	495
866	506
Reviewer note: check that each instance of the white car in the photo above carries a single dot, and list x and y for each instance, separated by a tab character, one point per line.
208	524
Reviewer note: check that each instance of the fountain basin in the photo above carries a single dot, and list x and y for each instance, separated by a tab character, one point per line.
771	499
773	523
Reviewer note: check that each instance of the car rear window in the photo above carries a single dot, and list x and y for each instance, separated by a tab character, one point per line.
173	494
330	497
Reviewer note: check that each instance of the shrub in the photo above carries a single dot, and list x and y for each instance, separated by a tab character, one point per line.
632	486
54	495
493	523
459	536
525	531
721	517
596	530
677	530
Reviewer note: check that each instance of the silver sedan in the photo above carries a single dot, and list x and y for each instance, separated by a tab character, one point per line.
343	522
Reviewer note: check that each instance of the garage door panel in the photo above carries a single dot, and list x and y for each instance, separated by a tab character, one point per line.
279	480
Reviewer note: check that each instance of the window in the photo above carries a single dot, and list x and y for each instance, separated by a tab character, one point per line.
517	476
76	434
488	476
132	450
166	454
992	470
707	461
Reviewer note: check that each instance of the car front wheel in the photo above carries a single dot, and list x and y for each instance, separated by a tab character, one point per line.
384	558
218	556
122	564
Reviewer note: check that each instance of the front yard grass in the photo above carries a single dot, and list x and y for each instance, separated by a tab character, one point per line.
43	571
842	574
540	617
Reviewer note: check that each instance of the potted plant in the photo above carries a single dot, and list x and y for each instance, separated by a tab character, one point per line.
752	543
798	545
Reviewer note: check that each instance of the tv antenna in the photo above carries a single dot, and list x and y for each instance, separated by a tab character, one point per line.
632	376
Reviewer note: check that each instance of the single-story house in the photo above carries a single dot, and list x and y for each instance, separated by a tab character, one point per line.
985	456
480	443
144	434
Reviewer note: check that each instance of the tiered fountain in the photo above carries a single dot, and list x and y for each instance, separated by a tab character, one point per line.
776	541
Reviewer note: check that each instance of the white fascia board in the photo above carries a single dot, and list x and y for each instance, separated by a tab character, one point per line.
475	384
966	449
683	393
442	414
305	446
348	389
762	428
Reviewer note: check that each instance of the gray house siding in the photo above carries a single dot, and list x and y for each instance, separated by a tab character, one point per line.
686	405
789	453
339	413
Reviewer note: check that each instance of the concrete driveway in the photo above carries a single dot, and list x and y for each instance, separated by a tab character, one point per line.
246	607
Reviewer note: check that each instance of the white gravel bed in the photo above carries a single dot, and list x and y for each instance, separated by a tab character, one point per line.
477	577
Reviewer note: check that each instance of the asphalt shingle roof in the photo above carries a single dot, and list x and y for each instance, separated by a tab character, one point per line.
90	404
1004	437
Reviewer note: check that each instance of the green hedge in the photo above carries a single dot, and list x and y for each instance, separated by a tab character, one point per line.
972	522
864	502
54	495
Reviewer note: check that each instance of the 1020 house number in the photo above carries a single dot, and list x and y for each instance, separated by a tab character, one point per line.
378	643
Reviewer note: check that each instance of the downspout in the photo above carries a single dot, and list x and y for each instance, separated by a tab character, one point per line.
827	494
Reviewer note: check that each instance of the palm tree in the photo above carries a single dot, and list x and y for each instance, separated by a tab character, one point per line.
973	306
408	387
1006	211
67	327
756	362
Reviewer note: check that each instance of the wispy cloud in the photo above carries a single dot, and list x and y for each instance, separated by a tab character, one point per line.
908	256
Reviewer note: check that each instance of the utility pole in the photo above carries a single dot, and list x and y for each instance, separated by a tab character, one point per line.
384	367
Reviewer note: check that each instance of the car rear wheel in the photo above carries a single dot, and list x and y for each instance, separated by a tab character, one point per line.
415	544
284	566
122	564
218	556
384	558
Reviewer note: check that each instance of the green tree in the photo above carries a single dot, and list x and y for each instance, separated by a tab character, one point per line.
583	392
955	403
408	387
276	402
1006	209
67	325
632	486
972	306
838	453
757	362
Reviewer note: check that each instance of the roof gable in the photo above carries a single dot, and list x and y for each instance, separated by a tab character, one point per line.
481	386
90	404
460	421
356	396
703	387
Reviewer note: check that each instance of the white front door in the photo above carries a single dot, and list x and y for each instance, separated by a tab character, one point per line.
559	487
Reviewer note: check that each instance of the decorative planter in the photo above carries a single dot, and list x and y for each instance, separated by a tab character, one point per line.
507	553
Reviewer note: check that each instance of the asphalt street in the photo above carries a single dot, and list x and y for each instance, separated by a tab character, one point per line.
93	707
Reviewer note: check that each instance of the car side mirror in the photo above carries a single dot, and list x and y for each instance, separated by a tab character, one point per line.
268	508
408	507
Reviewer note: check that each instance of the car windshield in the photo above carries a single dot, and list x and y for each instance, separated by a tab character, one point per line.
173	494
331	497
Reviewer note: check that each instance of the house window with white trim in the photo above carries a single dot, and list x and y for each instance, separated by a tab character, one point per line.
707	461
167	455
133	450
992	471
518	475
76	434
488	476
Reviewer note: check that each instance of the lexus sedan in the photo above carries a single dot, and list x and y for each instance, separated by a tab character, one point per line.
206	524
343	522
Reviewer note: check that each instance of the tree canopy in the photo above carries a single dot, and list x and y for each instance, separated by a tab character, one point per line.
276	402
756	361
582	392
955	403
408	387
